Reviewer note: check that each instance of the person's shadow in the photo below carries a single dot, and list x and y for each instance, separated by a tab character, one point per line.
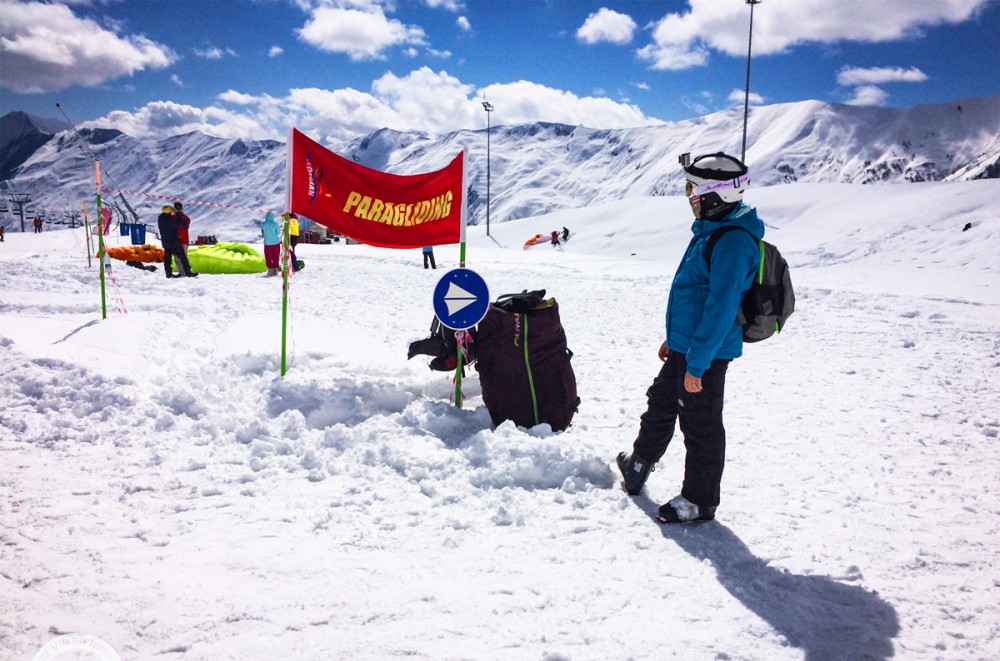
823	617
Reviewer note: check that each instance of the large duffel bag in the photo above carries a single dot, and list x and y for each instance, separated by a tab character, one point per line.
520	352
524	364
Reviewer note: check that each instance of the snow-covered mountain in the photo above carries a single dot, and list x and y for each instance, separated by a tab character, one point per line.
534	168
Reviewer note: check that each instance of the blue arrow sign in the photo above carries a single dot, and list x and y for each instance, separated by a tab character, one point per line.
461	299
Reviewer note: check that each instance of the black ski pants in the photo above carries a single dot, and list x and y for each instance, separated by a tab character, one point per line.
183	265
700	417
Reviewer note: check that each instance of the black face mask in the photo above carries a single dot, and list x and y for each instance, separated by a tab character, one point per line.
712	207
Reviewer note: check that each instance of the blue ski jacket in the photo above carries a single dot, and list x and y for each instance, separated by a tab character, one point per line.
271	230
704	303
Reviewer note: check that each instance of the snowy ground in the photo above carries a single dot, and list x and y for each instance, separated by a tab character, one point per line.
164	489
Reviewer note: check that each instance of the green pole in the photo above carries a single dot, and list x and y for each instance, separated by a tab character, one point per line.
458	379
284	289
458	368
100	242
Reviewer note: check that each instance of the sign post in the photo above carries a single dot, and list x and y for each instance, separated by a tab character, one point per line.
461	300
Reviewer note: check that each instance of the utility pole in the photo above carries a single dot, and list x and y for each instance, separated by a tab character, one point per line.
746	96
19	200
488	108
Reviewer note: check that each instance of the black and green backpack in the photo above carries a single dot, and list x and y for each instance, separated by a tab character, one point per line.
770	299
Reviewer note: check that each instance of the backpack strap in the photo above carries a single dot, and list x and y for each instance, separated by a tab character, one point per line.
717	234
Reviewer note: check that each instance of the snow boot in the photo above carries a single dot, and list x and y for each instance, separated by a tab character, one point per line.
682	510
634	470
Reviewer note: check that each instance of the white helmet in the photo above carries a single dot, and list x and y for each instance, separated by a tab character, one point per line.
715	184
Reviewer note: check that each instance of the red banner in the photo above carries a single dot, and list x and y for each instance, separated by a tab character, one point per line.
377	208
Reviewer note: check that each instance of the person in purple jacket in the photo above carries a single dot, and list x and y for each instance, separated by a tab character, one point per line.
702	337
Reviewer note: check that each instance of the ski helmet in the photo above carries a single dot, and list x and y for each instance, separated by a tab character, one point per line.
715	184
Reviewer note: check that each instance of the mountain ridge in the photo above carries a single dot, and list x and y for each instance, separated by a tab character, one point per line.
534	168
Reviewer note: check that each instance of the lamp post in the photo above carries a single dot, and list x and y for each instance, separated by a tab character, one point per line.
746	96
488	108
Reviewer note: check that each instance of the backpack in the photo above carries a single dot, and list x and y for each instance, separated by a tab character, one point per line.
770	299
519	350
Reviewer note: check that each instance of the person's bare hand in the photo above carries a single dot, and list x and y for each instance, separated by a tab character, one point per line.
663	352
692	383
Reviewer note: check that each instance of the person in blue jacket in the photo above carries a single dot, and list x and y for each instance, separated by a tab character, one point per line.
702	338
429	257
271	231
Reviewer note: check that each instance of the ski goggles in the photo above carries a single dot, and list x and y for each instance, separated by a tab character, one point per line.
692	189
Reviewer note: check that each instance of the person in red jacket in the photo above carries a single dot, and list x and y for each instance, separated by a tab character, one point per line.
183	223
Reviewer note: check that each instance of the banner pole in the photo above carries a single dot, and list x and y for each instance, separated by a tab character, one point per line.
100	241
284	289
464	208
284	249
461	264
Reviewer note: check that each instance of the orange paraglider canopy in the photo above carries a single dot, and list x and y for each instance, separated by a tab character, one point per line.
143	253
535	240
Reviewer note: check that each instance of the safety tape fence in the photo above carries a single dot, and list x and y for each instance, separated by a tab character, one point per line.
109	273
173	198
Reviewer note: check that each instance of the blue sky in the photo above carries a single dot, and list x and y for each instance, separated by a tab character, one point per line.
337	69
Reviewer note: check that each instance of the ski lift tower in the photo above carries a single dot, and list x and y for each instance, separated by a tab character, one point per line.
19	200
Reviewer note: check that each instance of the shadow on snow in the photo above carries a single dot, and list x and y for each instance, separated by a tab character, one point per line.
823	617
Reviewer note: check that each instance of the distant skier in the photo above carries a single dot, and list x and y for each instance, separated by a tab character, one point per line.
555	239
167	223
272	244
429	257
293	231
37	222
565	234
183	223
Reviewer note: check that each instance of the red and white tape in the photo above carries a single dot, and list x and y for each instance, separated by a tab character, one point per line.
185	200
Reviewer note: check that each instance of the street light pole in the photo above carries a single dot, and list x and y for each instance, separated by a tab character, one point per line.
746	96
488	108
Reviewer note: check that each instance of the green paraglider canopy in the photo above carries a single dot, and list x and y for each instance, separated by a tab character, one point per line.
225	258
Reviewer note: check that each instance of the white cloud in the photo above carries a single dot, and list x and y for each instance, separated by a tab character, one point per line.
214	53
450	5
275	51
684	40
754	98
47	48
176	80
161	119
463	23
868	95
849	76
361	34
642	86
524	101
238	98
606	25
422	100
